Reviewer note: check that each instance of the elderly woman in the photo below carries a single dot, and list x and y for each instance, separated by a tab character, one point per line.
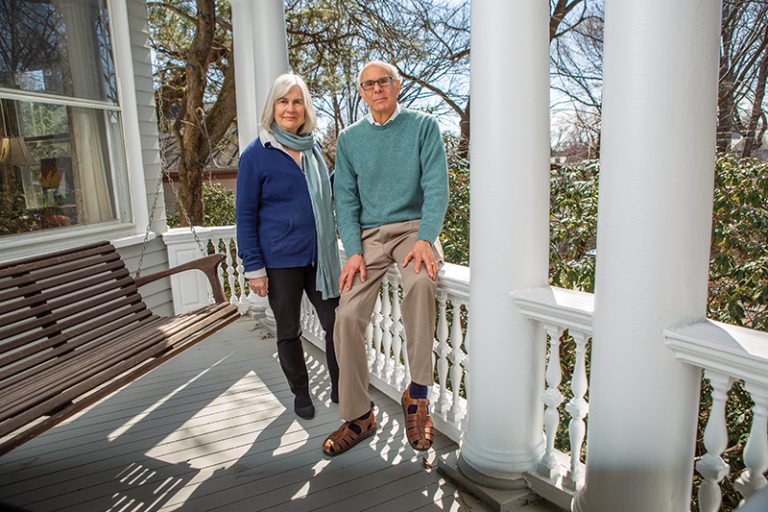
286	234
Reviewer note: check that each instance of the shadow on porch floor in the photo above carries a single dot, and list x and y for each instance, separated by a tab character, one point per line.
214	429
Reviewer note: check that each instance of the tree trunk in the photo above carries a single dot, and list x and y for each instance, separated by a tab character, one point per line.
726	86
464	125
189	130
757	110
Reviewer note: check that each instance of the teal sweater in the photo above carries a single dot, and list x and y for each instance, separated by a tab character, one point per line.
391	173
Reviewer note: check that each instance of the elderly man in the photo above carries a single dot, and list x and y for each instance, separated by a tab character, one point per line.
391	193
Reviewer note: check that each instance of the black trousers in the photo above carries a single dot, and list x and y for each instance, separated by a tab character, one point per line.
286	286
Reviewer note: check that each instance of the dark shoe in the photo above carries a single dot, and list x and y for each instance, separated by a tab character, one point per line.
418	424
349	434
302	406
334	396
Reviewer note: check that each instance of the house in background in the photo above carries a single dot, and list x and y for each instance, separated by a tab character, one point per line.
221	167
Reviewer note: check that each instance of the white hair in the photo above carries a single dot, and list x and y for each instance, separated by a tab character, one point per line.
280	88
392	70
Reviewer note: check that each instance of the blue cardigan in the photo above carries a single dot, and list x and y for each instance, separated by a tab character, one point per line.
275	222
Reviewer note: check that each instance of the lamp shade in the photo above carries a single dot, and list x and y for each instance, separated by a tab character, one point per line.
14	151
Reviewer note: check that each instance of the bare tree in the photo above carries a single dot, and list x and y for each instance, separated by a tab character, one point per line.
744	39
576	69
197	70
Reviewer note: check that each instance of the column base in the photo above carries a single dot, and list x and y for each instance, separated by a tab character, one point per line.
515	496
579	503
508	484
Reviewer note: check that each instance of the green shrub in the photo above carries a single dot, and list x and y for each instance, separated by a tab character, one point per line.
218	207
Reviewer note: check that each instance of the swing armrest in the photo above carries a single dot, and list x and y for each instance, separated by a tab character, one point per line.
207	264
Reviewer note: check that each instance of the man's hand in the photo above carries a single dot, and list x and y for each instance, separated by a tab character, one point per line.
422	253
260	285
354	264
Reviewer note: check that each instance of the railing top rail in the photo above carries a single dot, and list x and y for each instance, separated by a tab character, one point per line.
736	351
559	306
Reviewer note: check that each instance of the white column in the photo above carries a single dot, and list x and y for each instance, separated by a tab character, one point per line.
655	206
261	55
245	75
270	46
509	240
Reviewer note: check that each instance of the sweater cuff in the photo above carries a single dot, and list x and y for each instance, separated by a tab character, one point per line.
256	274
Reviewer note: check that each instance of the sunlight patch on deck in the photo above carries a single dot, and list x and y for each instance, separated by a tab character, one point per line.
125	427
291	443
202	439
302	493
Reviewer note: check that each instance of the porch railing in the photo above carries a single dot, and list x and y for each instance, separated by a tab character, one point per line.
562	313
385	336
385	342
725	353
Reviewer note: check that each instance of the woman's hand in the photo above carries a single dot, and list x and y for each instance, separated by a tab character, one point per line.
260	285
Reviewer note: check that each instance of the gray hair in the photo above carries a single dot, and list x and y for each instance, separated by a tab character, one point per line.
280	88
392	70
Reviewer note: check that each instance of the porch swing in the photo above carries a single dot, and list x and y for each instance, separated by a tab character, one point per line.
74	329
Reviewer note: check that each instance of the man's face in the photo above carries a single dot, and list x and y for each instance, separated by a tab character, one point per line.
381	100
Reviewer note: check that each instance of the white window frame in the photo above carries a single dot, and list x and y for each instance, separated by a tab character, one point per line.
127	170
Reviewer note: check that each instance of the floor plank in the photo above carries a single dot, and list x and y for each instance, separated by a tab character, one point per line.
214	429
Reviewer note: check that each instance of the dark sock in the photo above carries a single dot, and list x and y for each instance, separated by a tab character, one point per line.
417	391
354	427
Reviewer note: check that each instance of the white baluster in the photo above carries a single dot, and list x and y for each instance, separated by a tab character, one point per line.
386	324
756	451
552	398
304	313
407	372
230	270
578	408
442	349
457	357
397	340
711	466
220	270
243	301
377	318
465	364
317	327
369	345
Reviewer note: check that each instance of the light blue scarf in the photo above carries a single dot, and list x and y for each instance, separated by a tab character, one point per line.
316	174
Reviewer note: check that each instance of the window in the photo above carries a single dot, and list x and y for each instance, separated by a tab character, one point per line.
61	127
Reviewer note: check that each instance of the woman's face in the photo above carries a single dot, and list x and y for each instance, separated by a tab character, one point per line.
289	110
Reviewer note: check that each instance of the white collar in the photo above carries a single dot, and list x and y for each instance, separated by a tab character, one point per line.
267	137
391	118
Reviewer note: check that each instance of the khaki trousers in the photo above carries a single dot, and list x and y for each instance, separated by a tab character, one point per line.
382	247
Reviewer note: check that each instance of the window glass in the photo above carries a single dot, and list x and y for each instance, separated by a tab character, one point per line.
58	47
55	167
60	136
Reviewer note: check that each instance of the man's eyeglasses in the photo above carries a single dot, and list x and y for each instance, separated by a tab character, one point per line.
383	82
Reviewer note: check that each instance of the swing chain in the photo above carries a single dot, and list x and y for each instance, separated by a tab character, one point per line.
167	173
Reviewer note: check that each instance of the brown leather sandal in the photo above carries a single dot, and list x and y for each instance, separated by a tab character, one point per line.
345	438
418	426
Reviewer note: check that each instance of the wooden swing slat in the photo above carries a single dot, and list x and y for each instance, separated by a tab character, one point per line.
74	328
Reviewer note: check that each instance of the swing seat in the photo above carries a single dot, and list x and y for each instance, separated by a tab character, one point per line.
74	329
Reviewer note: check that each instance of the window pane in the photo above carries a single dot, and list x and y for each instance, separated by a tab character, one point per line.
64	50
55	167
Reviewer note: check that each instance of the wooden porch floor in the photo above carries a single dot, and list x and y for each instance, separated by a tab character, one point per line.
214	429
